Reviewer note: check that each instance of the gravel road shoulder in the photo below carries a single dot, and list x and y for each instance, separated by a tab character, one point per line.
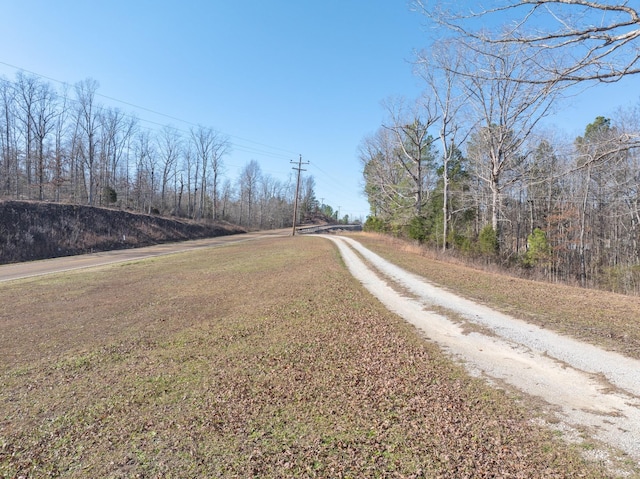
588	389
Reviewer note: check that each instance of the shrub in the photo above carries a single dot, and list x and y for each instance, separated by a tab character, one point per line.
459	241
621	279
374	224
488	241
538	249
418	228
110	195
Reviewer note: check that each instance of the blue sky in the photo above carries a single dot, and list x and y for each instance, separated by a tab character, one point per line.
280	77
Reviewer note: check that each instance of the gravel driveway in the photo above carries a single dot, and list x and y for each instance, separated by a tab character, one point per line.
589	389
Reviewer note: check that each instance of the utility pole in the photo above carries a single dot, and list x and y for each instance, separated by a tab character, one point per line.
295	201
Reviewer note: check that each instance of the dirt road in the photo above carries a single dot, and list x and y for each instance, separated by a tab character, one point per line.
587	388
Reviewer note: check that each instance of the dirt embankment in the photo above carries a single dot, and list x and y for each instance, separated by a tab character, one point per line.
32	230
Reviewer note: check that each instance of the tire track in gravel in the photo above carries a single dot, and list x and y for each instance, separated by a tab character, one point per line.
588	388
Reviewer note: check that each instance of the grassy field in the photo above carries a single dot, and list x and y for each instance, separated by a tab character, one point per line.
605	319
264	359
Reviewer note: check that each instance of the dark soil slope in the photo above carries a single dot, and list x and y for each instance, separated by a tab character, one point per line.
31	230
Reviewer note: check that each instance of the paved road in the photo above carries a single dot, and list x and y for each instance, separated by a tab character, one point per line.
14	271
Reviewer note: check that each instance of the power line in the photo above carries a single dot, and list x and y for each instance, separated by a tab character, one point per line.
247	149
268	151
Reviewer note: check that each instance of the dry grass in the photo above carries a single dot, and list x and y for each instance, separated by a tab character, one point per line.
264	359
606	319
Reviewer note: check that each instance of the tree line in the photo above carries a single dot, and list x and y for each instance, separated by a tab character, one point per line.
469	166
62	145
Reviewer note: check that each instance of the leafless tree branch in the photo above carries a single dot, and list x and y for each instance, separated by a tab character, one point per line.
579	40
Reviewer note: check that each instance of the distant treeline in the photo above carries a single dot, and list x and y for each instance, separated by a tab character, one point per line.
62	145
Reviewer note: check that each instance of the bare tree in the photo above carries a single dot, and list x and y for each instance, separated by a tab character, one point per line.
225	199
8	139
415	144
627	121
169	149
190	167
45	111
508	110
210	146
269	194
201	139
437	67
599	158
117	129
572	40
221	147
384	180
248	185
60	155
145	171
27	93
87	120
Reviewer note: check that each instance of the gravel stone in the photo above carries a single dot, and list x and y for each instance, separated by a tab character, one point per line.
587	387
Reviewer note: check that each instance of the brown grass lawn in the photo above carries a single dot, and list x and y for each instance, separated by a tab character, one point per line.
264	359
606	319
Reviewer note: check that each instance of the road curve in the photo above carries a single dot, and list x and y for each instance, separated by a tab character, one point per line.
9	272
587	388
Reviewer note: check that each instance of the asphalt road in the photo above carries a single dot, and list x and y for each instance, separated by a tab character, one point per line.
15	271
